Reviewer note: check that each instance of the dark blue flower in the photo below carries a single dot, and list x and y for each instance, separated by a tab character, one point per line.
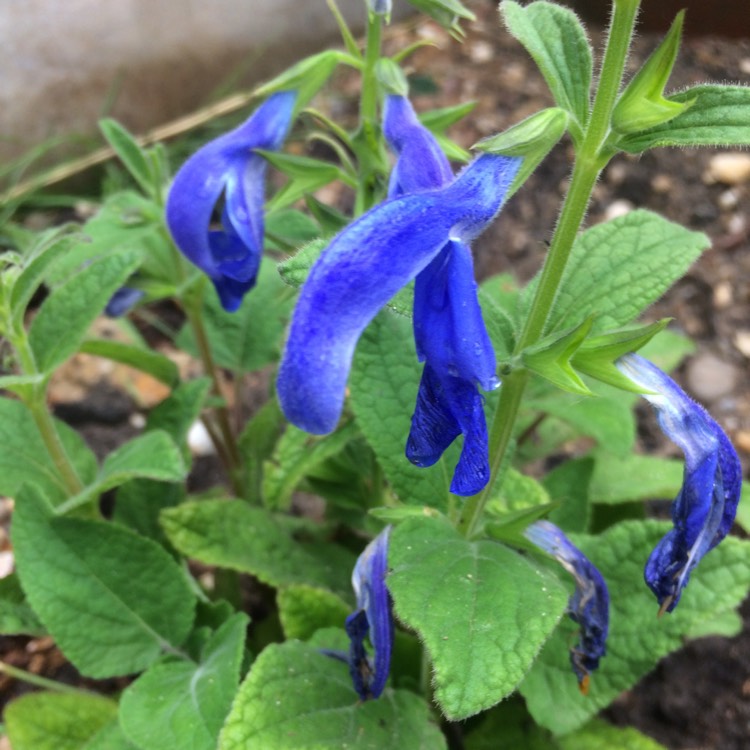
373	616
705	507
420	234
228	167
123	300
589	605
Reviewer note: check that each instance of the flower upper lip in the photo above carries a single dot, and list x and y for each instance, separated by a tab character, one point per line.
703	511
228	166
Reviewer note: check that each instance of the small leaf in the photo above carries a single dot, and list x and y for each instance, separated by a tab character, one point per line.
112	600
568	485
146	360
58	721
130	153
180	704
304	609
598	734
290	227
16	615
557	41
234	535
271	712
623	479
718	116
482	610
637	639
448	13
64	317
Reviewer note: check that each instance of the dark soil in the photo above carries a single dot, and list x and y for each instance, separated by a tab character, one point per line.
698	698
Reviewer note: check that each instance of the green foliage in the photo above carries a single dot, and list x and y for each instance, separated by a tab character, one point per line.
304	609
637	639
112	600
146	360
16	616
59	721
482	610
270	712
131	155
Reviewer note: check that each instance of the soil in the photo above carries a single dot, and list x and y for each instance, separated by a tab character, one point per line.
699	697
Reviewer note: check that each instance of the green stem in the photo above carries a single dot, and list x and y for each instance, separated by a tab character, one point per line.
589	162
38	681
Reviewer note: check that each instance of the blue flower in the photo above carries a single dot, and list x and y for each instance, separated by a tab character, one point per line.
421	233
589	605
705	507
228	167
373	616
122	301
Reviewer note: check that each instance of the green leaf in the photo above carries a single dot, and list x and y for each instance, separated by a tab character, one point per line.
111	737
623	479
289	228
532	139
257	442
618	268
112	600
517	492
482	610
437	121
130	153
719	116
296	698
139	503
250	338
557	41
568	485
642	105
637	639
511	721
297	453
24	457
304	609
550	358
384	382
234	535
146	360
295	270
16	615
57	721
67	313
180	704
598	734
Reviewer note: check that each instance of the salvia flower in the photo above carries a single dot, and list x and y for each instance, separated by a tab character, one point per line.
589	604
228	168
365	265
705	507
122	301
373	617
449	330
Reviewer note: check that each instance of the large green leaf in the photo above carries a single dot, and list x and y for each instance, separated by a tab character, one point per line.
618	479
384	382
249	338
718	116
305	609
58	721
232	534
557	41
66	314
111	599
637	639
618	268
296	698
180	704
482	610
24	457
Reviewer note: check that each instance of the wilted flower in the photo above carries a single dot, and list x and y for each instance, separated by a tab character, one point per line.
373	616
420	233
228	167
704	509
589	605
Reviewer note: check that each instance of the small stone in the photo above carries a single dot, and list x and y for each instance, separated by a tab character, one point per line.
618	208
741	441
745	65
199	441
662	183
737	224
723	295
742	342
728	200
709	378
481	52
731	168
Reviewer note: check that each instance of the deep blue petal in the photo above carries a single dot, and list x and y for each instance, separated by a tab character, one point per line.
125	298
704	509
421	165
373	616
227	165
589	604
362	268
446	408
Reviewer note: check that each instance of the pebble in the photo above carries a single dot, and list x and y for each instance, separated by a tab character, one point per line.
723	295
662	183
481	52
728	200
709	378
618	208
199	441
730	168
745	65
742	342
741	440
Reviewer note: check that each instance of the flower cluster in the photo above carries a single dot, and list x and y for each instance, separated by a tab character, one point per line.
589	605
420	233
229	168
704	509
